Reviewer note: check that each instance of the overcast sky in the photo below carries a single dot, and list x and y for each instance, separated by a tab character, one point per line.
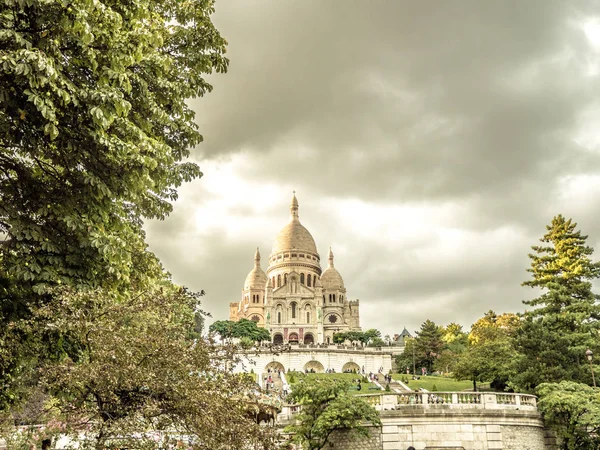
429	143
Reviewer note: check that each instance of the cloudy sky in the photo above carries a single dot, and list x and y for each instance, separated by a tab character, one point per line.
429	143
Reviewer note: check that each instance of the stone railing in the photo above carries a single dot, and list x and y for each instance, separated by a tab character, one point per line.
446	400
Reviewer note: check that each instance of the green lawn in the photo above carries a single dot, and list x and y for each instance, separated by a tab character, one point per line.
441	383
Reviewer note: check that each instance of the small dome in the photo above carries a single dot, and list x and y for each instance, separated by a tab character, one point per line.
331	278
294	236
257	278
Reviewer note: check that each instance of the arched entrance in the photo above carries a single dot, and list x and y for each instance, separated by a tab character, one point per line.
351	367
278	338
293	338
275	366
309	338
314	366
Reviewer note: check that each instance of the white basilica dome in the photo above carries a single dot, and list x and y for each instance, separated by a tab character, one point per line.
257	278
331	278
294	236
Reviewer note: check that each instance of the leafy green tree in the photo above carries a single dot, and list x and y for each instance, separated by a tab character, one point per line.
370	337
572	410
94	128
326	406
249	329
136	369
223	328
564	319
242	329
490	351
407	359
456	341
94	132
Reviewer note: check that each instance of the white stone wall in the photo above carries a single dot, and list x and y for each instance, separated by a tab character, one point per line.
444	428
331	358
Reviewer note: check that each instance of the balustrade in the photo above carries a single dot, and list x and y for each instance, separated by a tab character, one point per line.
478	400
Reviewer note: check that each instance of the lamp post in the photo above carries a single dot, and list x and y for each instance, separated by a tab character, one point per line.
590	355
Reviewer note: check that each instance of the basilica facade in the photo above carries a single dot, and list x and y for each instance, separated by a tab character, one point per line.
295	300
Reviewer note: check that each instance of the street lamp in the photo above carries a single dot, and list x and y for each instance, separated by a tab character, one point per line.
590	355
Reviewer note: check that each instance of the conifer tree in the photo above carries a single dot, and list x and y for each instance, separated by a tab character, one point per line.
564	321
429	344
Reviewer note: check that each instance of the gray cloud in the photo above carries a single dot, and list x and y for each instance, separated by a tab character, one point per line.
395	103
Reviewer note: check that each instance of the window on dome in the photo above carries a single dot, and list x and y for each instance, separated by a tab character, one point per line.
333	298
285	278
301	278
308	280
323	299
341	298
294	255
278	280
301	255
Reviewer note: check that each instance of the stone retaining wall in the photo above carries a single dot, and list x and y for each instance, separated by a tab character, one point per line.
438	427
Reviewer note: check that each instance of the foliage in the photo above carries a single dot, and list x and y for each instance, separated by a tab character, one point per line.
428	344
564	321
244	328
456	341
138	376
404	360
94	126
490	351
377	342
94	131
572	410
371	337
326	407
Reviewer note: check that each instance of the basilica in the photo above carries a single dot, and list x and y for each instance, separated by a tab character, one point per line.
295	300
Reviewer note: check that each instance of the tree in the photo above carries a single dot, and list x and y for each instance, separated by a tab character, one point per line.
326	406
94	128
456	341
428	344
141	377
372	337
94	131
564	321
407	359
490	351
572	410
242	329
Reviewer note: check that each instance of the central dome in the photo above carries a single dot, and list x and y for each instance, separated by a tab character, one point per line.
294	236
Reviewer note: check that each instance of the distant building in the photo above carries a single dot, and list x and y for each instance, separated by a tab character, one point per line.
295	300
400	339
